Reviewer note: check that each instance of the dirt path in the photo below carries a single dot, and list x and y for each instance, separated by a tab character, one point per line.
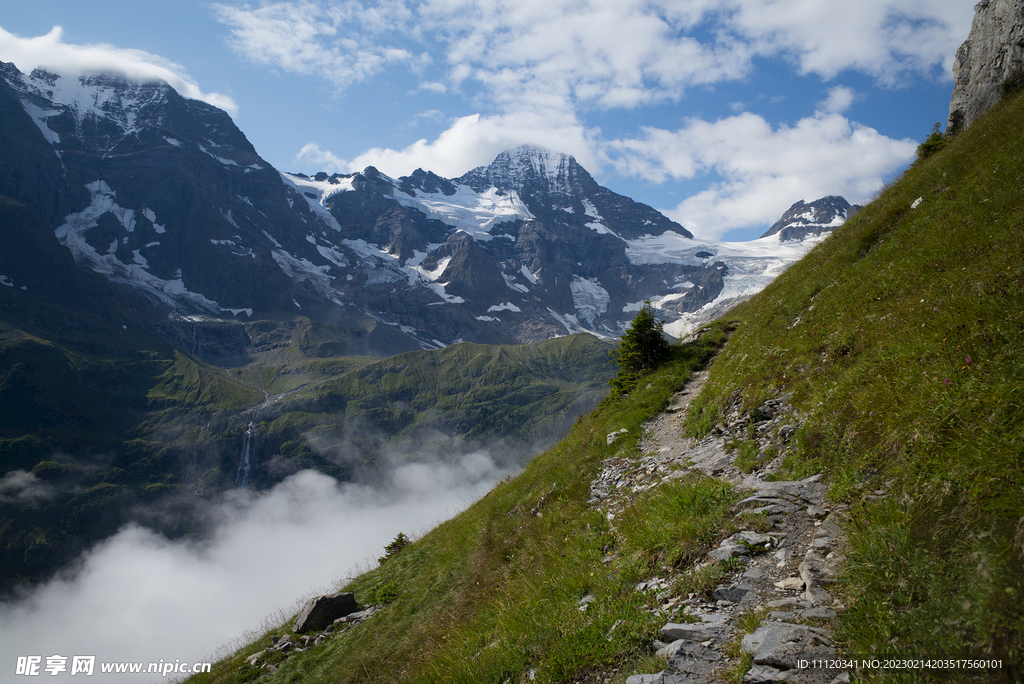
774	609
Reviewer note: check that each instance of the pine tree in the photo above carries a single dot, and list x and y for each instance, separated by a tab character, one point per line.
640	350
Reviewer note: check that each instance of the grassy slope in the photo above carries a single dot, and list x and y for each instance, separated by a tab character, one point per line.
902	339
493	593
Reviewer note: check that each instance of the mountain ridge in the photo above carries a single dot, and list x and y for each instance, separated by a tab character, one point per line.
167	198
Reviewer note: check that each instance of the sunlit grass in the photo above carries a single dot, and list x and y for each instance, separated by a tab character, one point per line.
901	340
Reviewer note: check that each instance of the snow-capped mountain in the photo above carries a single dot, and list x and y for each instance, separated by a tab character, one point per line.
815	218
167	198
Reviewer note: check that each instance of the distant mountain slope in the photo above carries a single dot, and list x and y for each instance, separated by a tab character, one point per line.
167	198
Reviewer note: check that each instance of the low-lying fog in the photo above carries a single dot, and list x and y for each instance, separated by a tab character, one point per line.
138	597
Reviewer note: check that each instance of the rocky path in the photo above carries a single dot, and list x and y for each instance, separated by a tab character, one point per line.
774	610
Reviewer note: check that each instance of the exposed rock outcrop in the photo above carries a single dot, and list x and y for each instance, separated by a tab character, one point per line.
994	49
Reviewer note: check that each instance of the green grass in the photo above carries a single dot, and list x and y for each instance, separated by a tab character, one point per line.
901	339
493	593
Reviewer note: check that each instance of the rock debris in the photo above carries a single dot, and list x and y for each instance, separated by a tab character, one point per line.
781	578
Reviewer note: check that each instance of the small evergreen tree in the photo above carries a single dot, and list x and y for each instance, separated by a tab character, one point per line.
641	349
932	144
394	548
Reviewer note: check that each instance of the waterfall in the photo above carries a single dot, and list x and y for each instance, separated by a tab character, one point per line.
242	478
195	342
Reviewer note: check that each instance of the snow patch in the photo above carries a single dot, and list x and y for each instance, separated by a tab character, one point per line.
476	213
569	322
589	297
39	116
305	271
437	272
513	285
71	234
316	193
528	274
507	306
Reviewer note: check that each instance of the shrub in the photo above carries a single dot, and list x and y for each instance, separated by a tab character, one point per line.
1014	82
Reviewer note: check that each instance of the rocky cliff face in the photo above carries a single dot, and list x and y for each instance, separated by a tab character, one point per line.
993	50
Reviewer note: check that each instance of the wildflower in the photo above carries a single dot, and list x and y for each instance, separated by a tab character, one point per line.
947	381
968	361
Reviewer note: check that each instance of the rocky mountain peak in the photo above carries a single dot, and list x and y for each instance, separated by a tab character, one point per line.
525	166
820	216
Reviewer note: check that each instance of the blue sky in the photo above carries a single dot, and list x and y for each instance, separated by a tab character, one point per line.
720	113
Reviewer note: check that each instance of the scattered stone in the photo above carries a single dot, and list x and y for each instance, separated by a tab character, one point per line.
733	594
782	645
728	551
613	436
711	627
801	525
791	584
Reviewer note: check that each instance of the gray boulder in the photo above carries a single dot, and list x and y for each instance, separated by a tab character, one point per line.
321	611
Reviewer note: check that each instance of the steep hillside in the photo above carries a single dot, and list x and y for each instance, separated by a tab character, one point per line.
897	342
900	338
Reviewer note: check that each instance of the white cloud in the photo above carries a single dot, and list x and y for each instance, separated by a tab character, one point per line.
882	38
434	87
604	53
23	488
469	142
763	170
139	597
337	42
839	100
535	68
51	52
317	159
